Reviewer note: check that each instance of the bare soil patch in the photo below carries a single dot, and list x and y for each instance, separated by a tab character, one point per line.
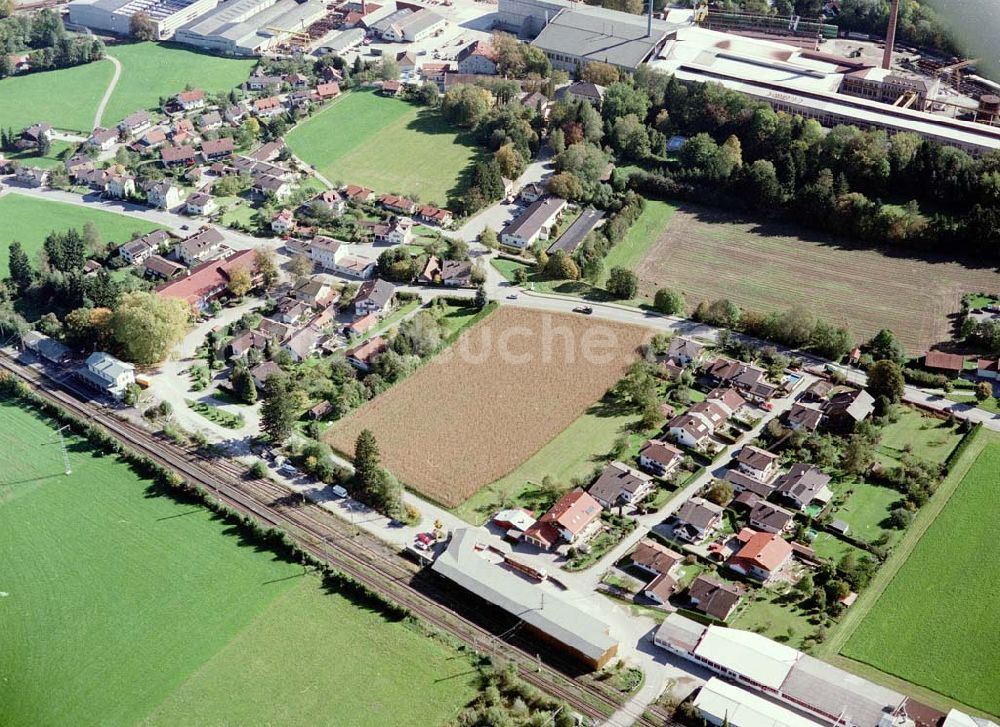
710	254
484	406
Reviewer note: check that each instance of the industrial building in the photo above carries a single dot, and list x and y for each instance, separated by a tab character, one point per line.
250	27
488	573
114	16
721	703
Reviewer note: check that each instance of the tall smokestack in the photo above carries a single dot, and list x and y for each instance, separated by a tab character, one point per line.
890	35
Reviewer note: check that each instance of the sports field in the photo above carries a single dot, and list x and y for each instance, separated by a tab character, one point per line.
935	622
709	254
30	220
122	607
151	71
484	406
66	98
386	144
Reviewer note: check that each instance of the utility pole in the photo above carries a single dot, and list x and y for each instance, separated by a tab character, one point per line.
65	454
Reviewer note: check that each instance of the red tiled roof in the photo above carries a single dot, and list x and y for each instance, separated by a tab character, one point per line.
942	360
207	279
767	551
368	350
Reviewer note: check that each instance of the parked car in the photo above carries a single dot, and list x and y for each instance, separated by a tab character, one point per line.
585	309
338	491
424	541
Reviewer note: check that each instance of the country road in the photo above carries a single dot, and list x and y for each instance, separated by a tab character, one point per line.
99	114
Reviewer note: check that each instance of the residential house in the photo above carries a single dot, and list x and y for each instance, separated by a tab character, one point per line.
332	255
209	281
537	101
399	205
234	114
102	139
407	62
661	562
514	522
750	380
729	400
107	374
391	88
135	123
267	107
689	430
120	186
569	520
364	354
137	251
243	342
32	177
297	80
283	222
769	518
361	325
361	195
77	164
215	149
190	100
847	409
258	83
206	244
434	215
743	483
803	417
31	137
374	296
315	293
695	519
715	598
275	329
619	485
321	410
266	184
659	458
163	195
762	555
582	91
292	312
949	364
478	57
176	156
531	192
150	140
535	223
986	368
685	351
803	484
199	203
156	267
91	268
436	73
818	391
262	371
395	232
46	348
327	91
329	200
451	273
757	463
300	345
209	121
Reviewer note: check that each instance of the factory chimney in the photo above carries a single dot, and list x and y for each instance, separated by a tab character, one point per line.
890	35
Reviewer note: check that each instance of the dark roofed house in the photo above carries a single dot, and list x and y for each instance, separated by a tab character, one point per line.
173	156
619	484
818	391
262	371
655	558
745	483
803	484
157	267
217	148
696	518
684	350
847	409
950	364
581	91
374	296
756	462
804	417
713	597
659	458
769	518
47	348
575	234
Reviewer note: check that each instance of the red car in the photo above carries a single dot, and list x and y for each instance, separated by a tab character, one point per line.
425	540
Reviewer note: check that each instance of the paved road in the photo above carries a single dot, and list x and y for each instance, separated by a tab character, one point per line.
99	114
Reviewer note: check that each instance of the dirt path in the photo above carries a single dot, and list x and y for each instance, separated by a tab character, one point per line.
110	90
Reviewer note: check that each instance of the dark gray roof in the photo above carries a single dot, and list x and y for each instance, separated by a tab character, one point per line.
532	219
378	292
802	482
744	482
574	235
770	516
615	480
698	512
622	42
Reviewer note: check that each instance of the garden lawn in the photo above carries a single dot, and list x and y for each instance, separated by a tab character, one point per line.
935	623
776	616
992	404
926	437
151	71
30	220
59	152
388	145
833	548
66	98
122	606
575	452
866	508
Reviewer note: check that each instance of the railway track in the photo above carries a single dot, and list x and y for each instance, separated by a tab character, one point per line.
338	543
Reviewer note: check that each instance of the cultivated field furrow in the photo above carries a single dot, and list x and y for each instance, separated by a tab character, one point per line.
477	411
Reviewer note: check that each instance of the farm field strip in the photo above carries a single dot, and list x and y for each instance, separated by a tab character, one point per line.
386	144
708	254
933	624
478	414
158	613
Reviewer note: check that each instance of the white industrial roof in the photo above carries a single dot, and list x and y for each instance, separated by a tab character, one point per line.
761	659
539	608
955	718
727	702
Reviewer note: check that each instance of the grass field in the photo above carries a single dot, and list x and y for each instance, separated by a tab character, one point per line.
122	606
150	70
487	404
66	98
59	152
866	509
934	624
30	219
386	144
926	437
709	254
644	233
574	452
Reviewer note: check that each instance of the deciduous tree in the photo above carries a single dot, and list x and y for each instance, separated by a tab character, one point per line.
146	327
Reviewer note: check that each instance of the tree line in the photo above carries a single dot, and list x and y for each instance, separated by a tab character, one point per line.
45	40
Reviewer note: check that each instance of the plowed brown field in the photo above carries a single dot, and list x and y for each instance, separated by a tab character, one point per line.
484	406
709	254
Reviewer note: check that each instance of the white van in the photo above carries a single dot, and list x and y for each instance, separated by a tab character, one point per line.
338	491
